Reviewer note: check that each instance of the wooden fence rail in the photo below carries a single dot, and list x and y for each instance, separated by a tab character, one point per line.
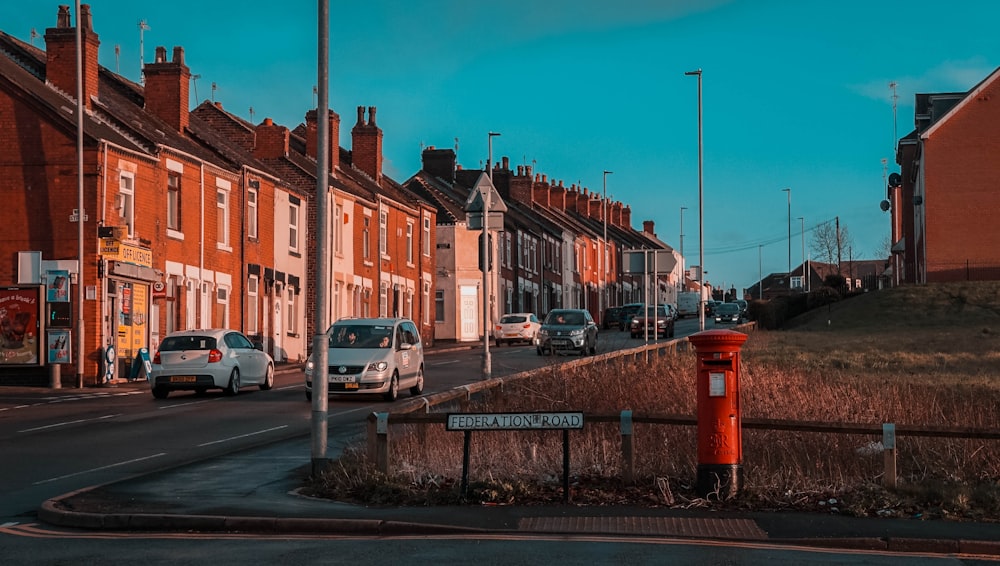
379	438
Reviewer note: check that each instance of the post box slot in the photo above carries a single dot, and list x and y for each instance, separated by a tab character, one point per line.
718	363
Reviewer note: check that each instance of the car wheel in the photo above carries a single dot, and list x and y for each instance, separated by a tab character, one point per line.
234	383
593	348
160	392
419	387
498	343
671	331
538	351
268	378
393	393
309	395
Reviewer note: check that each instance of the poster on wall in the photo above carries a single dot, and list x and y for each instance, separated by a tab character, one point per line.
58	347
57	286
19	314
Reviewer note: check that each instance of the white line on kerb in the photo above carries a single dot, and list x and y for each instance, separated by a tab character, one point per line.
243	436
101	468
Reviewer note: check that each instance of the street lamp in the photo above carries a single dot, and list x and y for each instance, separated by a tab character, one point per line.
683	208
701	213
604	255
760	273
485	251
805	275
789	191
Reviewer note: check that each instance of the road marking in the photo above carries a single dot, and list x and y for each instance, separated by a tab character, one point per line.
185	404
242	436
444	363
109	466
67	423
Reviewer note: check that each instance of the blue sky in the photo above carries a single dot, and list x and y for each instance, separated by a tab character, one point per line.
795	94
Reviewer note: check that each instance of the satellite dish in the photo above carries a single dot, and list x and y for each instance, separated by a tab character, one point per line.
884	205
895	180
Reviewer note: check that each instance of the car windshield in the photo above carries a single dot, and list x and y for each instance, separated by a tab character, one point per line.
361	336
178	343
728	308
565	318
513	319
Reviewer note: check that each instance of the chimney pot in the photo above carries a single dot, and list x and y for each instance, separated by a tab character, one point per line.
178	55
161	54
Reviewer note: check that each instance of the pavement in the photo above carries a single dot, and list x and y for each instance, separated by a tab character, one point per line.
257	491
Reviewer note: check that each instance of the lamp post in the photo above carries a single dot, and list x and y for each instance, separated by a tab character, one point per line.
683	208
701	213
789	192
805	275
604	255
485	251
760	273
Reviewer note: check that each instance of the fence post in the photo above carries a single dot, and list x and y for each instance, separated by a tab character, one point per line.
628	458
889	455
379	442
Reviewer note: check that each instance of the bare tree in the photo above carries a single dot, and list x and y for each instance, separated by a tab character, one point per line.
830	242
884	249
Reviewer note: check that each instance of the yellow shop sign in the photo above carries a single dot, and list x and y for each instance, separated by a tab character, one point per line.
126	253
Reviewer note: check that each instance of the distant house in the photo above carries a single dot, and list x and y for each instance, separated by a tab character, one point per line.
946	188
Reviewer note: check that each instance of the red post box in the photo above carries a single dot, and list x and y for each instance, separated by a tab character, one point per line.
720	446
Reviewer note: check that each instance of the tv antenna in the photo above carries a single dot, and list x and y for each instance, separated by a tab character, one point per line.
194	81
214	87
251	114
895	97
34	34
143	26
118	55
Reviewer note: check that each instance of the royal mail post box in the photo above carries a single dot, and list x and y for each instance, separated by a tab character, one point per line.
720	447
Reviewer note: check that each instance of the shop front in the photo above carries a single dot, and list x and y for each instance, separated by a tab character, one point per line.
131	322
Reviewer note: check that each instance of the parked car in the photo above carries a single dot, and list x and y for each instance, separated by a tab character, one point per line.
516	327
567	330
728	313
371	355
613	318
657	321
198	360
710	307
743	306
628	311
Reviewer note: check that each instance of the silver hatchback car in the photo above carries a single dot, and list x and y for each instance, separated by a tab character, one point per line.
371	355
197	360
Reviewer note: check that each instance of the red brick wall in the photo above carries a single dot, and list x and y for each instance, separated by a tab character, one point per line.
960	172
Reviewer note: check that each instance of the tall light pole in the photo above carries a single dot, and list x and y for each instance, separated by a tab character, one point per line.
683	208
701	213
604	255
485	251
789	192
805	275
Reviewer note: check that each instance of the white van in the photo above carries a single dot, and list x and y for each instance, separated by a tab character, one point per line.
688	304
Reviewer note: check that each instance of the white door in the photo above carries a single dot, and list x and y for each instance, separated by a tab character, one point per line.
277	352
469	309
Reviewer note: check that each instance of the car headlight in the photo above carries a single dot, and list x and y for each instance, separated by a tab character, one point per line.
542	333
576	332
378	366
310	366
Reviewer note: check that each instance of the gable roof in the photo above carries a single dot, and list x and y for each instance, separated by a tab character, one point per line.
972	95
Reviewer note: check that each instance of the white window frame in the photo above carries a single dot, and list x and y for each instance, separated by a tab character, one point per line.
338	229
366	239
222	204
253	287
383	232
427	235
409	242
292	326
293	226
252	195
126	203
222	298
174	224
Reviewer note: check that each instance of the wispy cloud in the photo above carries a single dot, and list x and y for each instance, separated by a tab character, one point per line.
947	76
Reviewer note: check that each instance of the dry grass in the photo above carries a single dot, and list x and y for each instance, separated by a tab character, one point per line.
921	355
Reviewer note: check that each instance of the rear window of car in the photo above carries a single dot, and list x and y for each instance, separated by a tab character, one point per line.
728	308
178	343
511	319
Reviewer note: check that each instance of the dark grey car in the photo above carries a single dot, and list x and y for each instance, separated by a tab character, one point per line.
567	330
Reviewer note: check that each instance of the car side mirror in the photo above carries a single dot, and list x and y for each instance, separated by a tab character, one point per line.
406	346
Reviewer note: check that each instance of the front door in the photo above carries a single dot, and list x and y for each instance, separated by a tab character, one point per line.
469	314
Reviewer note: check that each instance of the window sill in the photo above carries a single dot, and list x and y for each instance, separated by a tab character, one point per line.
175	234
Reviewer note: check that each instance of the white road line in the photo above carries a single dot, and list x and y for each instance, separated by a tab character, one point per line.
67	423
185	404
242	436
444	363
101	468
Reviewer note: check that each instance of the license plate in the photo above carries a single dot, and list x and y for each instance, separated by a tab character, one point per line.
341	378
182	379
350	386
561	343
511	335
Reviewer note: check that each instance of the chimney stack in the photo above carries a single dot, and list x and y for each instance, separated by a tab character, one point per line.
439	163
312	137
272	140
647	227
60	54
366	144
167	87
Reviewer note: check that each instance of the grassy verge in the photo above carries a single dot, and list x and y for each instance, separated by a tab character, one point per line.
873	359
